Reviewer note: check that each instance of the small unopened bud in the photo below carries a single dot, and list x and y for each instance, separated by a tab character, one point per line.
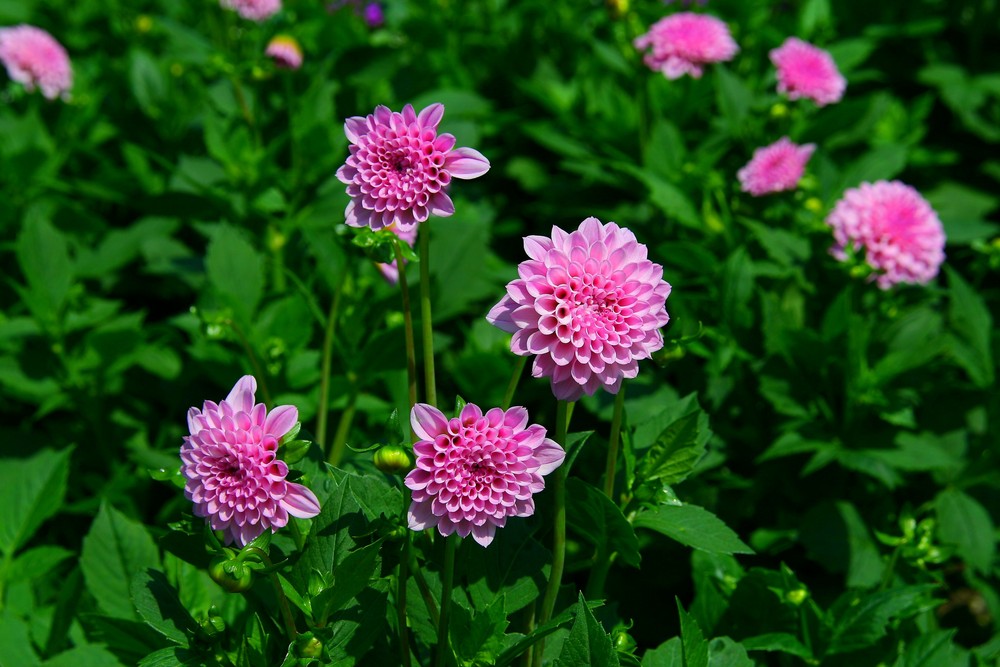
624	642
392	459
779	110
797	597
814	205
311	648
233	575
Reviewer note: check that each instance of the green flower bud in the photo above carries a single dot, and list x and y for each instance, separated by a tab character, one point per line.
310	648
624	642
797	597
392	459
234	576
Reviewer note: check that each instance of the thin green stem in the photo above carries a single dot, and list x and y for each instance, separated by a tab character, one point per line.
258	370
326	362
286	611
448	580
890	569
343	429
515	378
411	348
404	562
529	625
558	531
425	313
613	440
425	590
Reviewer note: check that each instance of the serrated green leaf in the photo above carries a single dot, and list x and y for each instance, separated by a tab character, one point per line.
724	652
515	566
31	490
965	523
350	577
43	254
693	639
933	649
37	562
587	643
668	654
858	619
159	605
235	271
84	656
783	642
592	515
476	637
973	325
676	450
694	526
15	641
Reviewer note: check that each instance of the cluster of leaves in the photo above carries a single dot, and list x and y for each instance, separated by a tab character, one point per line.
809	466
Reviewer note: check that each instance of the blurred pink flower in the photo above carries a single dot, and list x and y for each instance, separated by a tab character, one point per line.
589	305
775	168
475	470
34	58
253	10
900	233
234	477
399	169
681	43
807	71
285	52
391	270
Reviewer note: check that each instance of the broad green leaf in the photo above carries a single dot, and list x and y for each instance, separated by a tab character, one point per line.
783	642
715	576
724	652
880	163
734	98
352	630
15	643
477	637
695	646
676	450
44	258
815	14
663	154
37	562
514	566
159	605
933	649
858	619
916	341
84	656
836	536
129	640
592	515
349	578
973	325
963	212
115	548
965	523
31	490
737	288
460	260
588	643
178	656
694	526
668	654
235	271
147	83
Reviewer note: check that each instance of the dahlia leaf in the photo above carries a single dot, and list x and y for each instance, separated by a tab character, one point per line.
676	452
693	639
43	254
514	566
159	605
235	271
694	526
587	643
858	619
668	654
477	637
973	326
595	517
350	578
965	523
31	491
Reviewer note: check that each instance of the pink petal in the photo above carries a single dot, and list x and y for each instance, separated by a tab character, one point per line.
431	116
281	420
241	395
427	421
300	502
549	456
466	163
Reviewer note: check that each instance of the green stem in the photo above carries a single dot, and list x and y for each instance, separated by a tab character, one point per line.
404	561
425	590
529	626
4	567
425	313
411	348
558	531
616	429
890	568
343	429
515	378
286	611
258	370
327	361
448	581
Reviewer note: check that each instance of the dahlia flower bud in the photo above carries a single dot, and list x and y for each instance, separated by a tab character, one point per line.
775	168
234	477
682	43
253	10
807	71
476	470
588	305
400	169
35	59
392	459
901	236
285	51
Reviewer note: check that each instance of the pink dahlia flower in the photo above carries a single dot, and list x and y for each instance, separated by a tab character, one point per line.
391	271
589	305
775	168
681	43
253	10
34	58
807	71
234	477
285	52
474	471
900	233
399	169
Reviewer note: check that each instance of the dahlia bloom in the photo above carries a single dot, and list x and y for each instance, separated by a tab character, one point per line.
34	58
234	477
589	305
391	271
285	52
681	43
775	168
900	233
253	10
374	15
399	169
475	470
807	71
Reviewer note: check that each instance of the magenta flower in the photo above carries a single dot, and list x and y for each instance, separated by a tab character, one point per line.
775	168
900	233
34	58
681	43
234	477
374	15
391	271
399	169
285	52
807	71
253	10
474	471
589	305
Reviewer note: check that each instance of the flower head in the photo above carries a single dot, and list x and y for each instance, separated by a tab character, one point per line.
589	305
253	10
474	471
374	15
234	477
807	71
900	233
285	52
399	169
681	43
34	58
775	168
391	271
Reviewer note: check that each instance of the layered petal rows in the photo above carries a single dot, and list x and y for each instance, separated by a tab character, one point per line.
253	10
807	71
476	470
588	305
399	169
234	477
35	59
775	168
683	43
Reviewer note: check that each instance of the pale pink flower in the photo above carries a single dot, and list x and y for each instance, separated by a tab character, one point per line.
807	71
234	477
399	169
391	271
285	51
34	58
775	168
681	43
900	233
253	10
589	305
475	470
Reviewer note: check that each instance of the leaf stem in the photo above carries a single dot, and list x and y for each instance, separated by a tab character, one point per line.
327	361
404	562
613	440
515	378
448	581
425	313
343	428
411	349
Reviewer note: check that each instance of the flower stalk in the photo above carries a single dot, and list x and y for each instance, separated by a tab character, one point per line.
425	313
447	583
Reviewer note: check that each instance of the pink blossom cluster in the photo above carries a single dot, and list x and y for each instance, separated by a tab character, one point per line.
285	52
806	71
253	10
683	43
35	59
775	168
